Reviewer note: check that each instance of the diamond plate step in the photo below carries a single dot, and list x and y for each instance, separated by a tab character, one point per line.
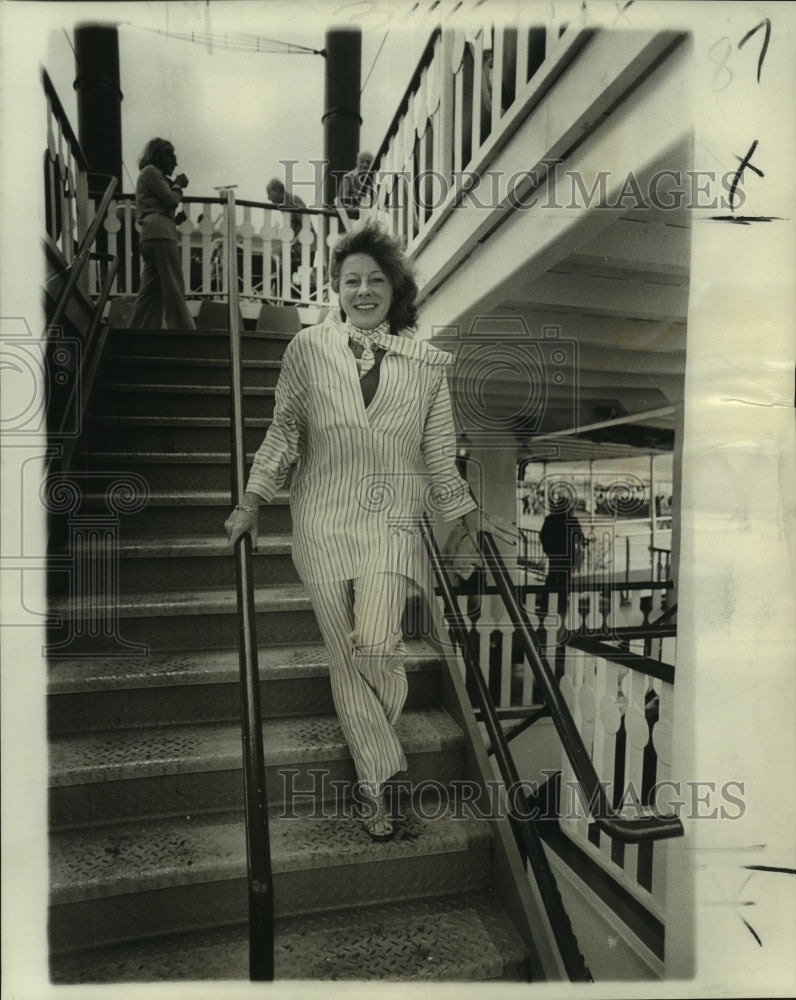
172	434
134	880
196	563
202	686
179	513
170	471
100	777
465	937
180	620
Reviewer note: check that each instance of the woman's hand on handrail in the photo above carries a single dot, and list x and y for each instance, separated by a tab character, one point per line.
478	520
244	519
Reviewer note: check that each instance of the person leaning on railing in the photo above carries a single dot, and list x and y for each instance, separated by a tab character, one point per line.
364	409
356	186
278	195
162	290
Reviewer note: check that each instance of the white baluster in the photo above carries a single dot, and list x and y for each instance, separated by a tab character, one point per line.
284	241
528	680
320	257
208	261
478	71
245	235
521	77
587	702
419	191
306	238
111	224
497	77
662	735
184	231
569	802
483	632
457	66
635	686
435	112
607	724
271	243
128	215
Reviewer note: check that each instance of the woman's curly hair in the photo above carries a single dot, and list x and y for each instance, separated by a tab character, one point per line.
388	253
154	152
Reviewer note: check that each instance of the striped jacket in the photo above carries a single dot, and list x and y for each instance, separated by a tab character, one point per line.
363	475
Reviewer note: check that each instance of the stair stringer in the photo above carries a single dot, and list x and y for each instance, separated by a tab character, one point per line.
517	891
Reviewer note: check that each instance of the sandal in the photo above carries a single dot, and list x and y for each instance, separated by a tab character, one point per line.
375	818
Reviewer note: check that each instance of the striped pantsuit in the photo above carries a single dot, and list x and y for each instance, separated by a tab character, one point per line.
360	621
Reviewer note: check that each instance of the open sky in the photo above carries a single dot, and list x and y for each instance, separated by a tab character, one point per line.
231	114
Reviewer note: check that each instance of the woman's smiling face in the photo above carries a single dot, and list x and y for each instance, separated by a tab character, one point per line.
365	291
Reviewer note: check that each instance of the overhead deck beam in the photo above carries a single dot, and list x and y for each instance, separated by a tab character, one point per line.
633	336
639	299
639	245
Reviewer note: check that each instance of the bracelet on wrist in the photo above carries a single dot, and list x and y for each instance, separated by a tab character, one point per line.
246	508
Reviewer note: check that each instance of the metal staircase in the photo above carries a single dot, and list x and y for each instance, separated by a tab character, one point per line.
147	841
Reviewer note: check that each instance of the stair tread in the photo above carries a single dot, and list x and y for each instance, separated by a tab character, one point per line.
167	457
172	387
72	675
465	937
115	419
202	332
140	359
286	597
191	498
118	755
186	545
142	856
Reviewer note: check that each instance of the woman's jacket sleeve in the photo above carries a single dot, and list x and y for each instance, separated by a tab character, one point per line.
282	442
449	495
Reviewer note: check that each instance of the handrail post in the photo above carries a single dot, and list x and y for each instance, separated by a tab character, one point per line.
258	852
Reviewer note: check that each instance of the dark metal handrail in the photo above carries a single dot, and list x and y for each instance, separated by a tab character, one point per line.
630	831
258	850
665	617
246	203
89	359
524	829
82	254
625	657
63	120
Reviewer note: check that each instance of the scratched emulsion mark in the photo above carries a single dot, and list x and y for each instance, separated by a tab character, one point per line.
722	78
770	869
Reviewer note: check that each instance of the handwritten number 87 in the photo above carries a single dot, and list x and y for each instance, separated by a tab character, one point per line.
723	75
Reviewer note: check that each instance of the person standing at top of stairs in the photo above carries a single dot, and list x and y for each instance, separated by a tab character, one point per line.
365	410
162	291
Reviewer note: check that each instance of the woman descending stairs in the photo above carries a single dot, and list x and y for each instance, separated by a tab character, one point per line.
147	841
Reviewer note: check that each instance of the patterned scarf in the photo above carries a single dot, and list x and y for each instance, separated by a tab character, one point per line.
367	341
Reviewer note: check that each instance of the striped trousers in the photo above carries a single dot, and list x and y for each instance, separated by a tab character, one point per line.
360	621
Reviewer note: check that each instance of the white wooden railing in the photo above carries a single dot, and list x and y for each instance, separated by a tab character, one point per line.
593	607
470	90
68	212
624	716
275	264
